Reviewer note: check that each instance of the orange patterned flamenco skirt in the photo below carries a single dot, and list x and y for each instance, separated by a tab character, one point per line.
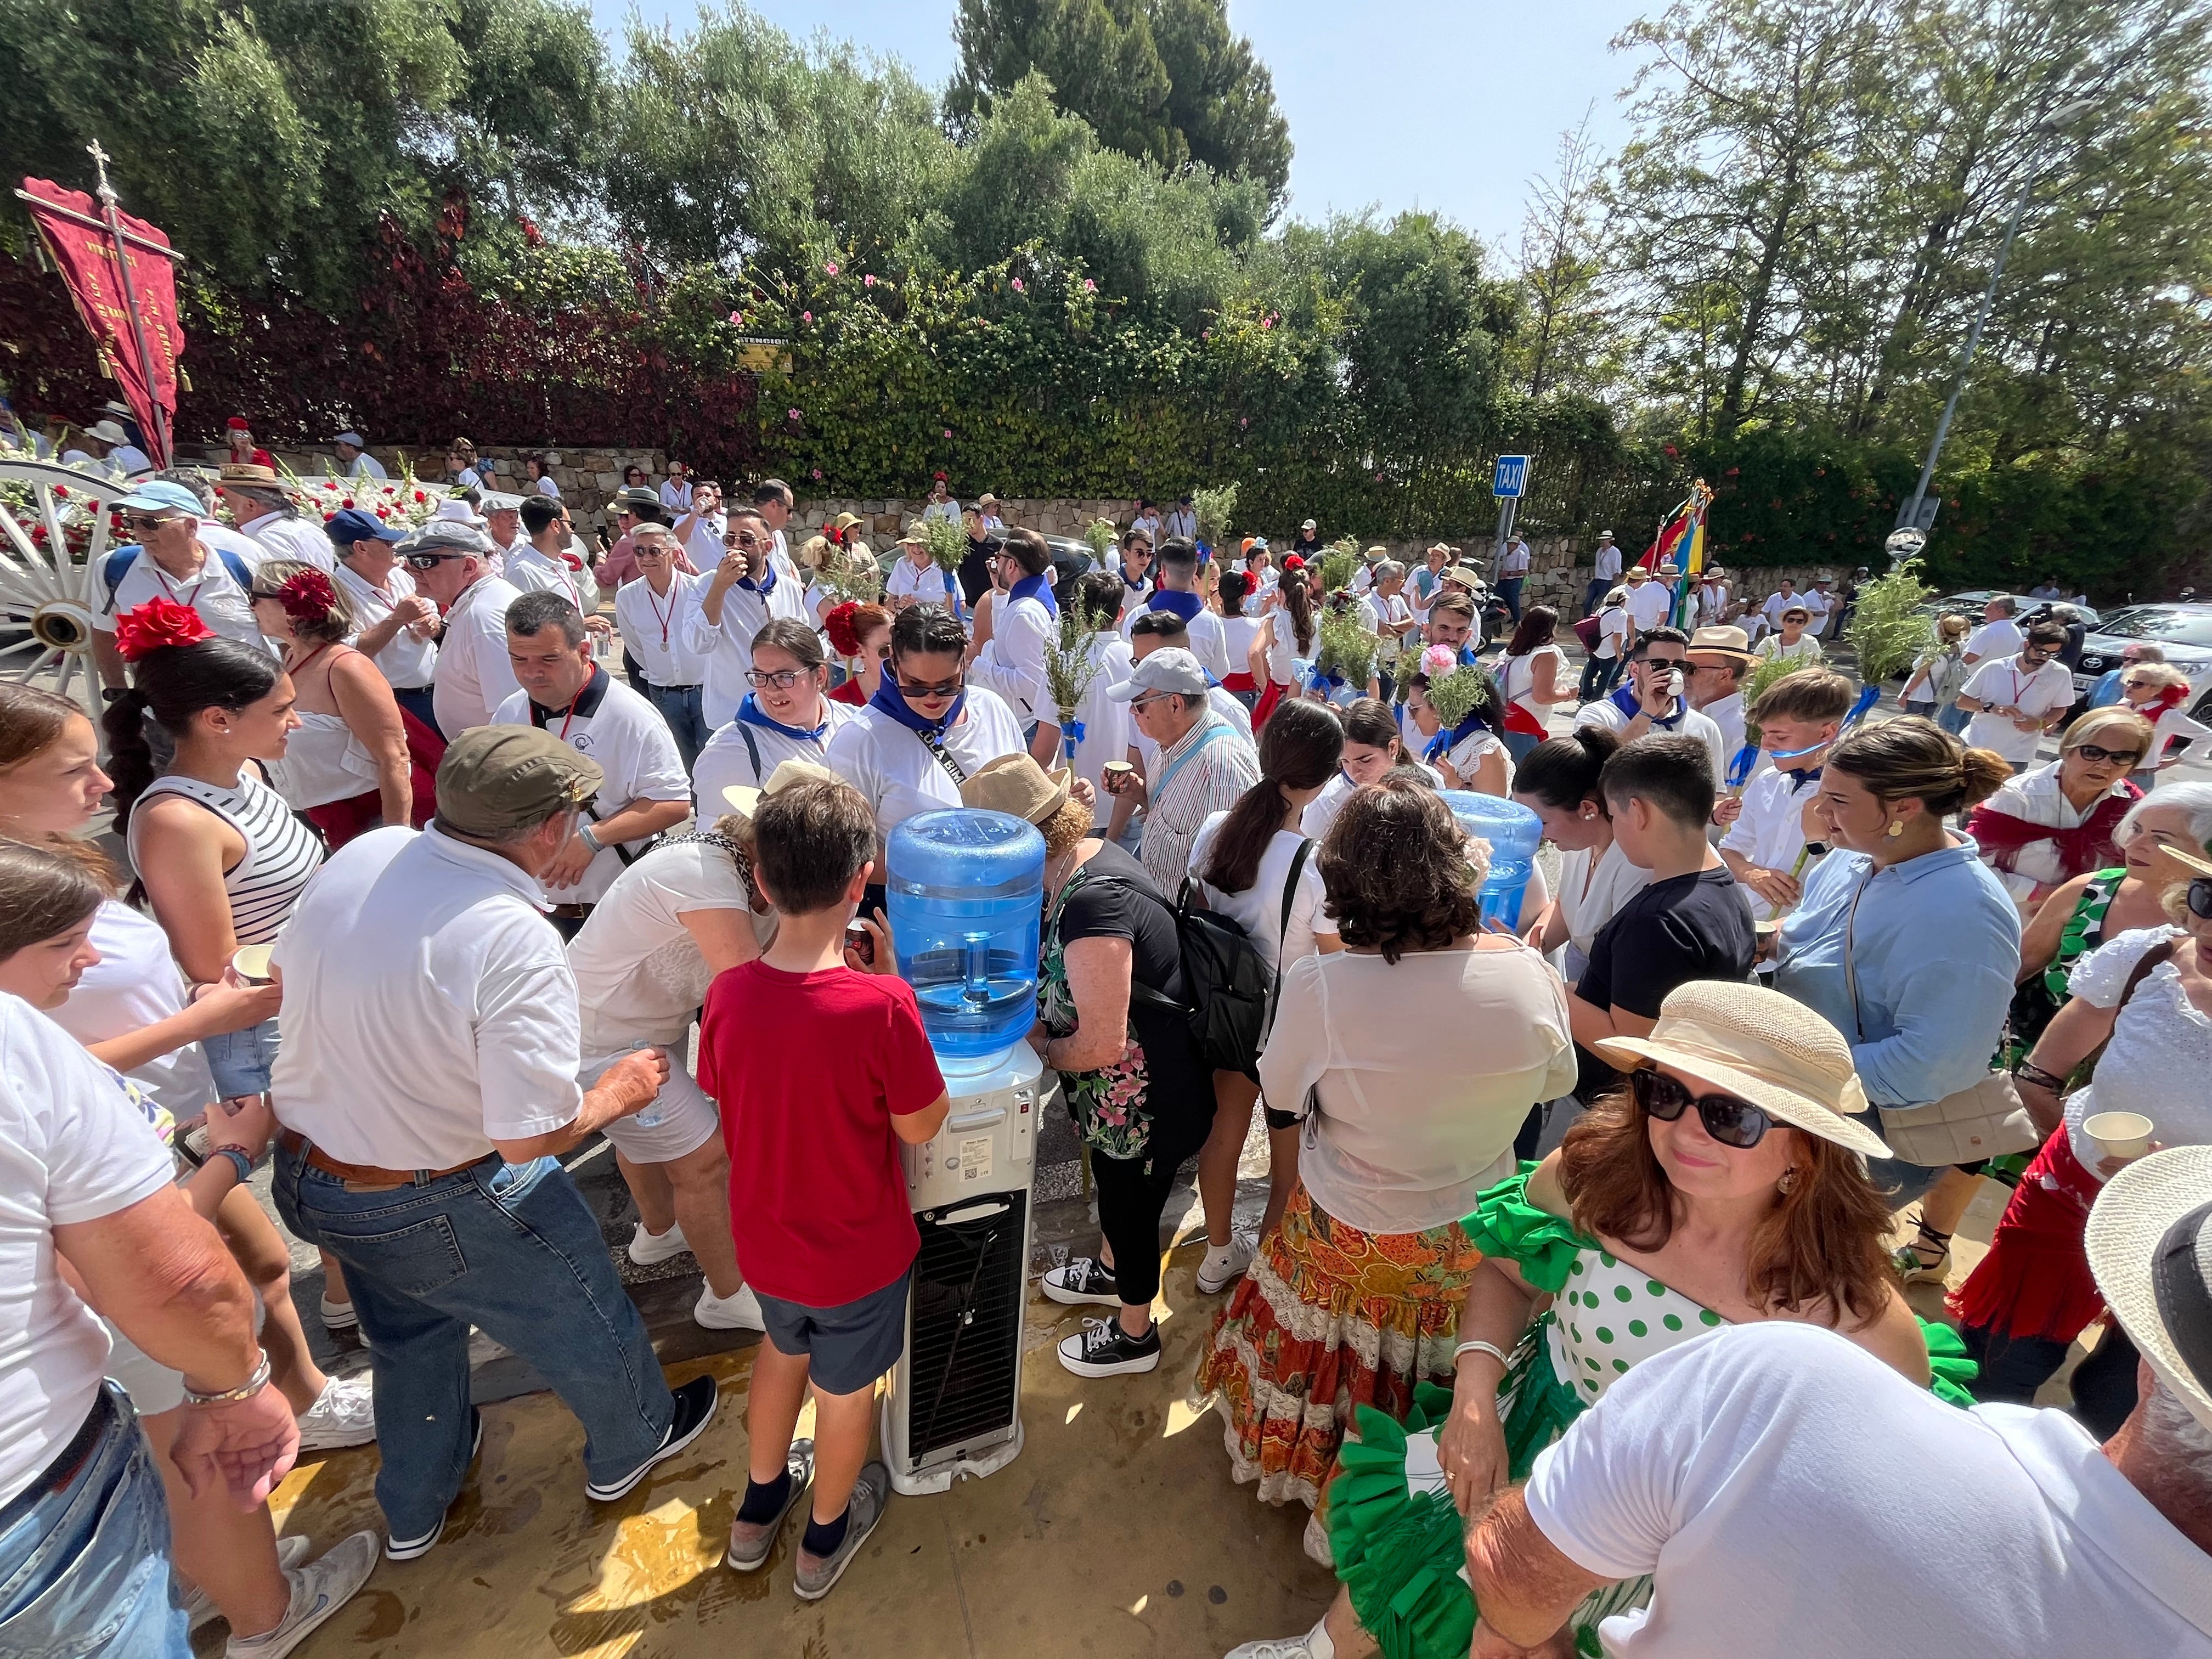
1329	1319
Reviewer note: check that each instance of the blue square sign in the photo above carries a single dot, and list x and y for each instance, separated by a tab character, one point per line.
1511	474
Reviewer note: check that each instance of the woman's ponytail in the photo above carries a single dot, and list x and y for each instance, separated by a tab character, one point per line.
129	757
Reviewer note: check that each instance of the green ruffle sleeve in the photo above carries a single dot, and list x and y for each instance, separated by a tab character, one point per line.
1506	1224
1953	1367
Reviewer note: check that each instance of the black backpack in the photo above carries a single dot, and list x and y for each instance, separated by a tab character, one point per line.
1228	990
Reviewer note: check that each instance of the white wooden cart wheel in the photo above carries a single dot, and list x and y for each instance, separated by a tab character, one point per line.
53	535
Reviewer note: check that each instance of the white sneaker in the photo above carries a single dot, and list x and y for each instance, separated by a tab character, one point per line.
648	1249
344	1414
1314	1644
740	1310
318	1589
338	1316
1225	1264
290	1551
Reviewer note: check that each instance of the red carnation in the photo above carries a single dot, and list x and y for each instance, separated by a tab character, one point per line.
307	596
156	624
420	496
837	623
61	492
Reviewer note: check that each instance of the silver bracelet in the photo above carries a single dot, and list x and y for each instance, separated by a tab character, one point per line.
1490	1348
246	1390
585	835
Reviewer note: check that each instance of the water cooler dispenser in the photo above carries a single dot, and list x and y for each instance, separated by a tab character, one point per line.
1513	832
966	891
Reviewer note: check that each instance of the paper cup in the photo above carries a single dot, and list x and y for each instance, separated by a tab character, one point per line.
2119	1135
252	962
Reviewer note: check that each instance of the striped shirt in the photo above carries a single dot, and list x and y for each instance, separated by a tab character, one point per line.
281	851
1205	770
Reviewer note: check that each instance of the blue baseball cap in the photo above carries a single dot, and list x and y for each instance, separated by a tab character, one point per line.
159	495
350	525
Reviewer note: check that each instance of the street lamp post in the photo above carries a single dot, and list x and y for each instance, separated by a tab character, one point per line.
2065	113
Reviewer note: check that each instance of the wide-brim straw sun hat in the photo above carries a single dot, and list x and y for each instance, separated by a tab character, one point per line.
1762	1047
2149	1243
1017	784
1637	572
744	801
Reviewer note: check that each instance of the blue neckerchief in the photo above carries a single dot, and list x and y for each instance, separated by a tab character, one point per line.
1799	780
1174	600
1132	583
1624	699
761	587
1034	587
889	699
749	711
1444	742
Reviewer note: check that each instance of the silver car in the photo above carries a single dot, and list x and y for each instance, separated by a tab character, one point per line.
2184	632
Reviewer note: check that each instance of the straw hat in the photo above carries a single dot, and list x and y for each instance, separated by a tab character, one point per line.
1764	1047
1466	575
1017	784
1636	573
1722	641
244	474
2150	1242
744	801
847	521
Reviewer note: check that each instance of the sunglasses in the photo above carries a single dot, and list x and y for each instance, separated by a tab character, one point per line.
147	523
2035	653
942	689
745	538
2200	898
2097	754
782	678
1732	1122
432	561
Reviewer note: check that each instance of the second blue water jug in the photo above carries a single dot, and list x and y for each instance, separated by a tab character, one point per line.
967	898
1513	832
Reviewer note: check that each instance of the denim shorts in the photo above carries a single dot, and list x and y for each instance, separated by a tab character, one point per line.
241	1061
849	1347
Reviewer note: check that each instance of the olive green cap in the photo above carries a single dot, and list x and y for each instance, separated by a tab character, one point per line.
496	780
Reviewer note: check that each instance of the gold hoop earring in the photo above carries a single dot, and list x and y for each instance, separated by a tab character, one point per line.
1788	1183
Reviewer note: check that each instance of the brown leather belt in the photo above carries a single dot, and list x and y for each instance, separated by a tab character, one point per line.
366	1177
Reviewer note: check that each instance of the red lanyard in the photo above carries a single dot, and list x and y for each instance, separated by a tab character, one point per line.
571	714
657	616
175	594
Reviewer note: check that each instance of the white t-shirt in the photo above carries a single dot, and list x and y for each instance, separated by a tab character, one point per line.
136	983
474	673
1517	680
890	764
364	466
1207	642
930	585
1651	604
1769	831
429	1005
1259	908
283	536
1321	811
2007	682
652	628
2000	638
727	760
1612	631
73	1148
675	496
610	724
2159	1053
640	975
529	571
1513	562
1806	649
1755	1473
407	661
1589	898
1777	604
1106	724
1237	634
545	486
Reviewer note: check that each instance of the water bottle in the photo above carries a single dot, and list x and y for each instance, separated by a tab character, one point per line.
967	898
1512	831
654	1110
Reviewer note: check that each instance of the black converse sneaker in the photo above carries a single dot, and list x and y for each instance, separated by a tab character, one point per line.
1083	1281
1103	1348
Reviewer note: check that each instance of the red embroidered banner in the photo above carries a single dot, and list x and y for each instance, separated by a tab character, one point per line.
76	239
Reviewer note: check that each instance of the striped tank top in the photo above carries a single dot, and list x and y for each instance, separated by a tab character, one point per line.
281	851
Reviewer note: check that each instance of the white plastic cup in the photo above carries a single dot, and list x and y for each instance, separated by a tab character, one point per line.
251	963
2119	1135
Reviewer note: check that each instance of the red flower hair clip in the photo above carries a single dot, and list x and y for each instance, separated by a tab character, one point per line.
837	623
307	596
156	625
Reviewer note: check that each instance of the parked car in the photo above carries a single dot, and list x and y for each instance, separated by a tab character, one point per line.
2184	632
1969	605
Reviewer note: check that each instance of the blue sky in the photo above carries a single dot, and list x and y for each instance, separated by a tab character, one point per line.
1447	105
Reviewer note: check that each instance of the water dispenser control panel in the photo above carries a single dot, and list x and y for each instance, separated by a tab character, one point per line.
988	1143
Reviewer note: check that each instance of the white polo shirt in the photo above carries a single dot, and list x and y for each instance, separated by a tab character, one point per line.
283	536
1207	642
1650	605
1784	1444
609	724
727	649
652	628
365	465
529	571
1012	661
1769	831
890	764
2010	683
2000	638
1606	713
704	541
929	584
727	759
215	593
474	674
433	1005
406	662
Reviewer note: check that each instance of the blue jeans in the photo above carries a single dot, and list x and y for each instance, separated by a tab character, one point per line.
680	706
418	700
85	1570
241	1061
1598	675
1596	590
1518	744
513	1249
1953	719
1509	589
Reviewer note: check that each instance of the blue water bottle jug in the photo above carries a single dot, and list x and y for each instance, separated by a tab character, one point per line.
967	898
1512	831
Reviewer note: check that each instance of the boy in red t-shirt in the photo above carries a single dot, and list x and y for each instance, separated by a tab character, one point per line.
821	1071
